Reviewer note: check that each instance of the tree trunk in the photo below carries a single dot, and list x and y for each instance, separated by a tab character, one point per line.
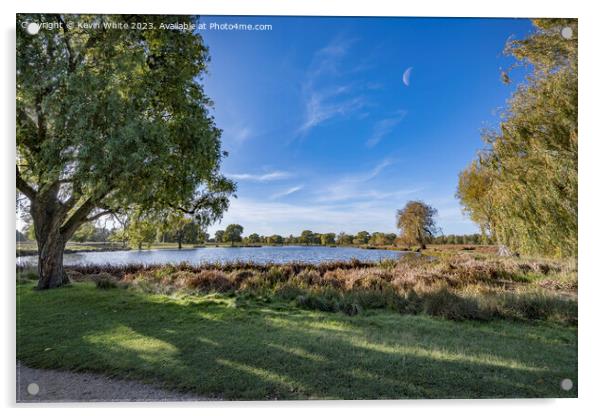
50	261
53	229
179	244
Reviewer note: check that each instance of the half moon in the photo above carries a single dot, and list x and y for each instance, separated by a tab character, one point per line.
406	76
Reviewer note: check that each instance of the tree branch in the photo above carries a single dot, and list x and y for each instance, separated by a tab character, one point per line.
67	41
98	215
81	214
25	188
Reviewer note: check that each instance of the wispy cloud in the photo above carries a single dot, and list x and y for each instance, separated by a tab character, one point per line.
239	134
322	103
261	177
384	127
356	187
287	191
321	106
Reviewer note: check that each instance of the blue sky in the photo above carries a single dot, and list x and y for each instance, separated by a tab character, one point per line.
324	133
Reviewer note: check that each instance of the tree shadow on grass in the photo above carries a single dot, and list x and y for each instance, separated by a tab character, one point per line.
210	346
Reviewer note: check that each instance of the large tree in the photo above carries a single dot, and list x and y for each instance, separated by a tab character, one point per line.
416	222
109	119
180	228
523	186
233	234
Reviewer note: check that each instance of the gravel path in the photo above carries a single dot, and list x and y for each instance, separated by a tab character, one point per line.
65	386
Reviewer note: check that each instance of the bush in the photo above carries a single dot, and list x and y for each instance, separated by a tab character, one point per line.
288	291
307	278
208	281
447	304
238	277
410	302
275	275
106	283
350	308
539	306
325	300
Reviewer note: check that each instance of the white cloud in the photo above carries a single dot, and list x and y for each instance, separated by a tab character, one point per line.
324	103
384	127
286	192
262	177
357	187
321	106
238	134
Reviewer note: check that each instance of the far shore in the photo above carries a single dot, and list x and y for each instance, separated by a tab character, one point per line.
29	248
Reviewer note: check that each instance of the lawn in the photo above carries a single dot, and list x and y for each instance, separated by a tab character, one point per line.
227	347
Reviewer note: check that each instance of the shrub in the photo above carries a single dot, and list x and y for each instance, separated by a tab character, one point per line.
368	298
209	281
322	299
410	302
307	278
447	304
257	284
350	308
275	275
238	277
538	306
106	283
288	291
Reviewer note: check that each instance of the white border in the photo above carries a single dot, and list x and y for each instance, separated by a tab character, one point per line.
589	185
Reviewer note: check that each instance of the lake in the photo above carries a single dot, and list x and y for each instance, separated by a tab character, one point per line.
262	255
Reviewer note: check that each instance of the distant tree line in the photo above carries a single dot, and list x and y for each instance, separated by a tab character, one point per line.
138	234
233	235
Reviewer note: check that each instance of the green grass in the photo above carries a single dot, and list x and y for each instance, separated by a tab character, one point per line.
228	347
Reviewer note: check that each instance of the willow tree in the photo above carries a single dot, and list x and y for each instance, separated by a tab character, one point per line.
416	222
530	163
110	119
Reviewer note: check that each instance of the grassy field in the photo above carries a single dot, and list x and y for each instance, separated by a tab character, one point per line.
245	344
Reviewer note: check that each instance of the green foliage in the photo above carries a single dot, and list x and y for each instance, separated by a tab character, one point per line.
109	120
85	232
233	233
219	236
275	239
361	238
142	230
522	189
327	239
179	227
253	238
307	237
382	239
344	239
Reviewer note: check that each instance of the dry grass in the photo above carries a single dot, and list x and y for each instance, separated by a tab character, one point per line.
457	286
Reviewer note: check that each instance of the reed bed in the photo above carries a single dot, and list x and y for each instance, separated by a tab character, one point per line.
457	286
